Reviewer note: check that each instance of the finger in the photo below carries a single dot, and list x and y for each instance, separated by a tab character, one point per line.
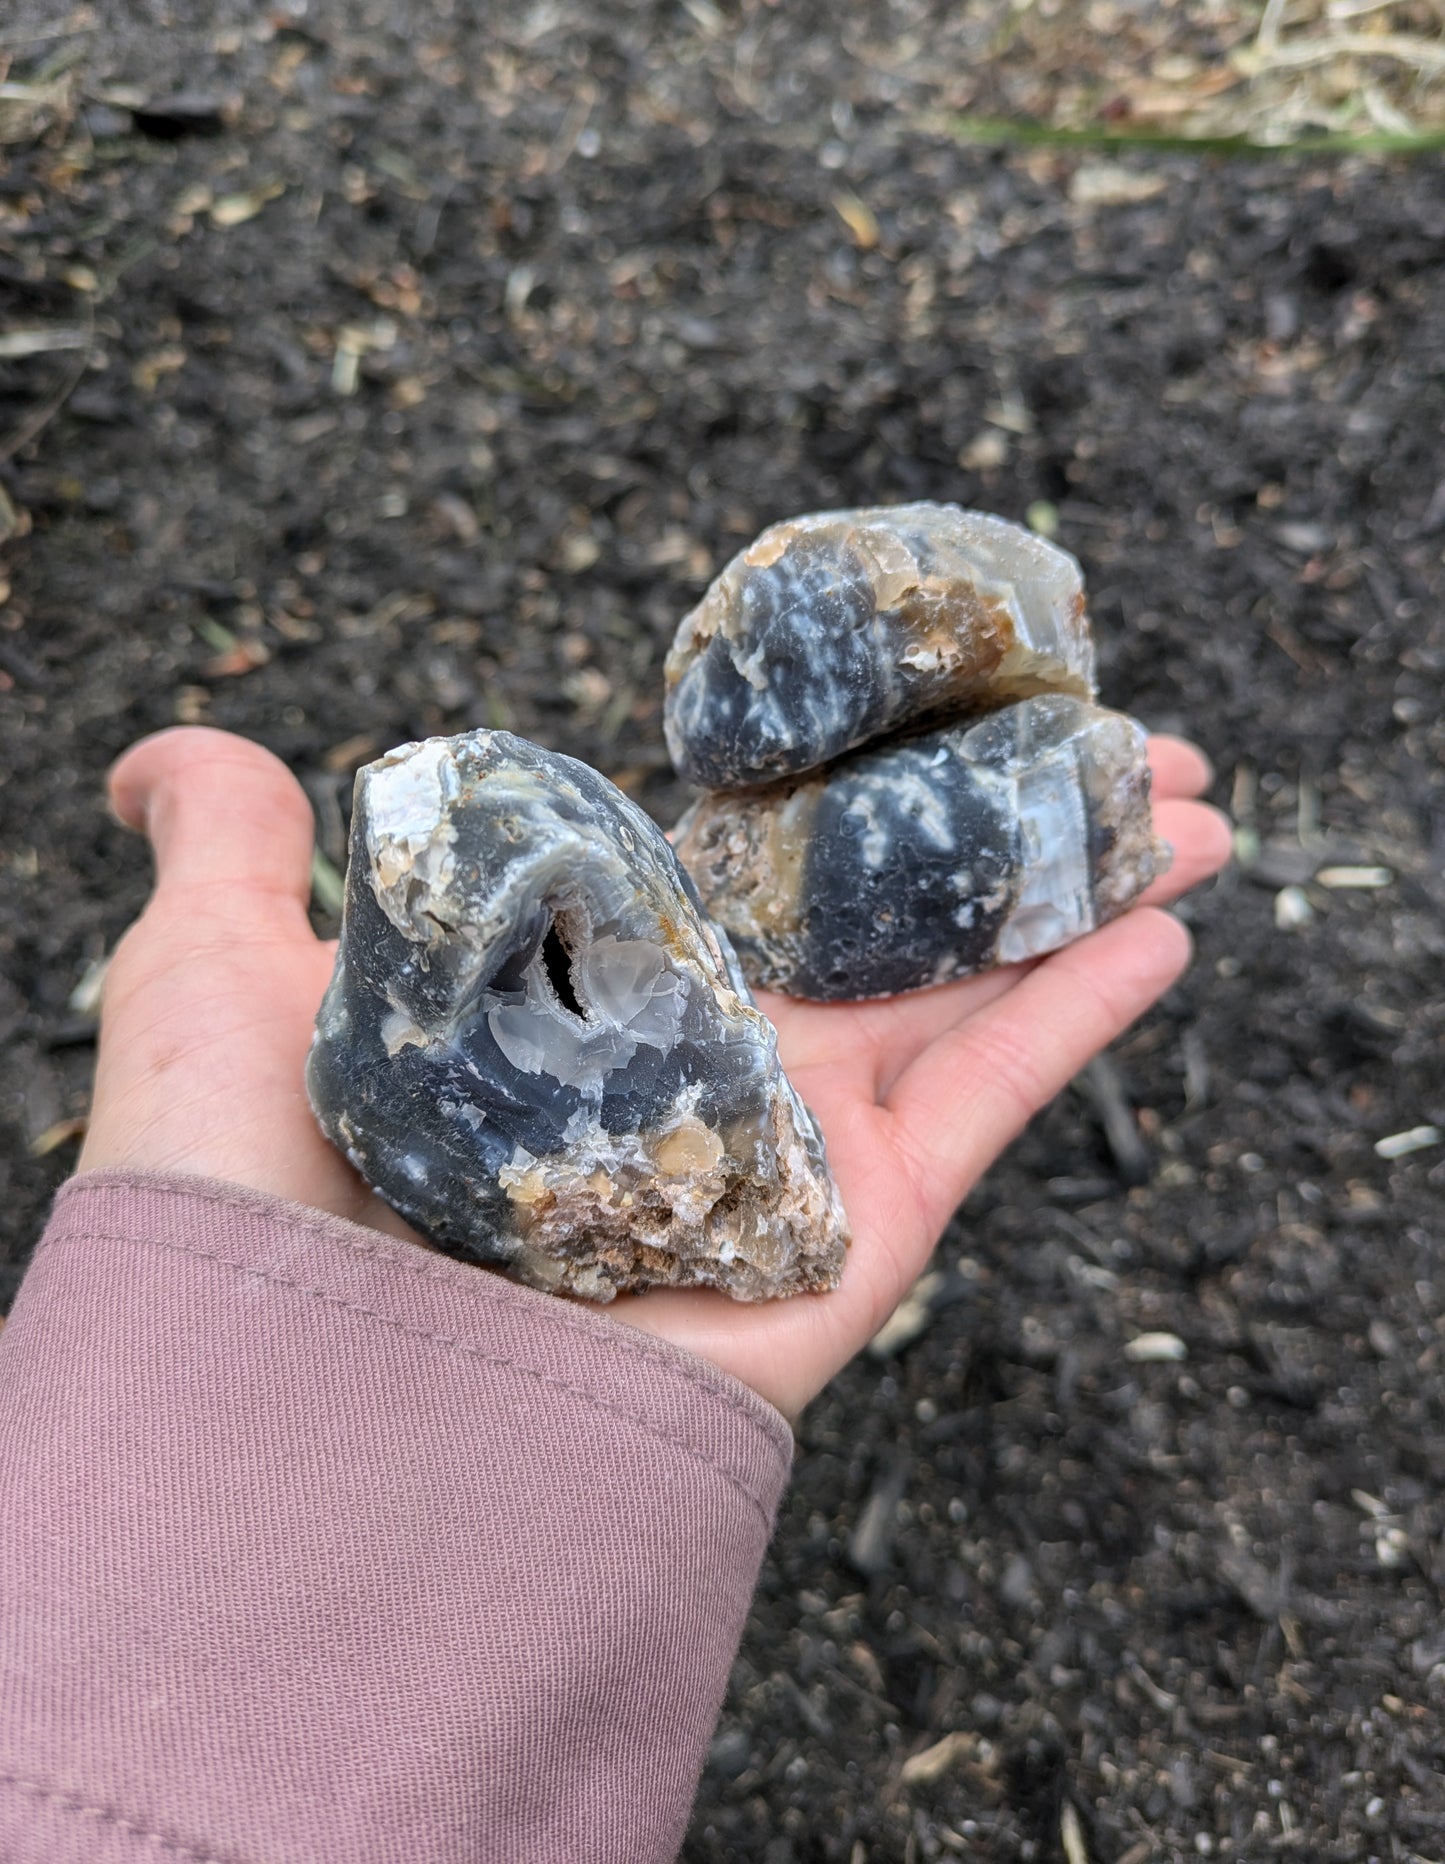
223	816
785	1350
873	1040
1200	842
977	1086
886	1035
1178	767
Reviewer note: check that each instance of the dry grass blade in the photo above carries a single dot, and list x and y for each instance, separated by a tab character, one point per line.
328	888
18	343
1267	37
1355	75
34	423
1424	54
28	110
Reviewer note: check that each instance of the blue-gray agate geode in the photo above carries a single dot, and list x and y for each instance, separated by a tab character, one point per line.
841	627
539	1051
931	857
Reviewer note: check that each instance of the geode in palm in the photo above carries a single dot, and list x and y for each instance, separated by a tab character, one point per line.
844	626
538	1050
933	857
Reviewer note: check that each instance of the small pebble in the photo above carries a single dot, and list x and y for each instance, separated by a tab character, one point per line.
1392	1548
1383	1340
1292	909
1017	1584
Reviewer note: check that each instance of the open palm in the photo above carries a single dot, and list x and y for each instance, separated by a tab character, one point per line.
211	996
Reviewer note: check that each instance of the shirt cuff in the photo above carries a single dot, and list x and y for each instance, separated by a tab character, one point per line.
320	1546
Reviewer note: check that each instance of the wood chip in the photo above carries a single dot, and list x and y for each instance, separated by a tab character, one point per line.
870	1546
351	752
1110	184
1148	1349
86	996
233	210
57	1135
244	657
1366	877
908	1320
1103	1085
922	1769
859	219
1071	1835
15	344
987	450
1416	1139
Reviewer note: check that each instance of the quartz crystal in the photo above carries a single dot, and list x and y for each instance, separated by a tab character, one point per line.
838	628
540	1052
930	858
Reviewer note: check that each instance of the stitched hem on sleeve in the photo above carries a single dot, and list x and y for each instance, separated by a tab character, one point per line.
148	1841
384	1280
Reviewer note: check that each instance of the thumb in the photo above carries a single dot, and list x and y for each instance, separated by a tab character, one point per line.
210	996
225	819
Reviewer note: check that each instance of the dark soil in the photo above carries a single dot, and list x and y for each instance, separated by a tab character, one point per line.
609	317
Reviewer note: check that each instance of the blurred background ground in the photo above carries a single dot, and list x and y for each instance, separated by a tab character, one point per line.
372	370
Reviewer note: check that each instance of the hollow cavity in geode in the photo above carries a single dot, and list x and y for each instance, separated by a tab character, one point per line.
841	627
932	858
538	1050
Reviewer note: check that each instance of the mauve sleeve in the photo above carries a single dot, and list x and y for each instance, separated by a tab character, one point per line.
314	1545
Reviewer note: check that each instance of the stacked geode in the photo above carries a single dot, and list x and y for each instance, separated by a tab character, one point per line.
907	778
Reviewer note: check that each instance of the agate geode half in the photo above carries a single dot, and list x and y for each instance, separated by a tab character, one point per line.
927	860
845	626
905	778
540	1052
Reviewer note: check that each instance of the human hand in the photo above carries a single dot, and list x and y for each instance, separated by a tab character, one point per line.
211	996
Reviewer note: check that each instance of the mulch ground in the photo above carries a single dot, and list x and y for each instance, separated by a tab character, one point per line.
429	370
